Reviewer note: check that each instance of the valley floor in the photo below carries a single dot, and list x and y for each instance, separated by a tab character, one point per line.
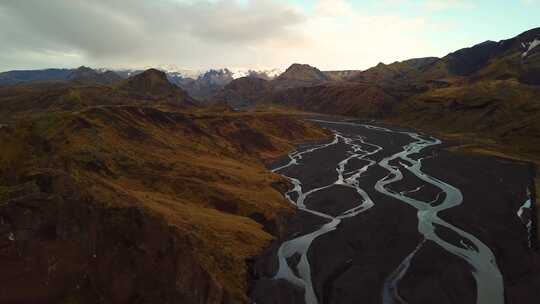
379	225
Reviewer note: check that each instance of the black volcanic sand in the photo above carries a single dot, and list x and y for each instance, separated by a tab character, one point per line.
334	200
326	170
351	263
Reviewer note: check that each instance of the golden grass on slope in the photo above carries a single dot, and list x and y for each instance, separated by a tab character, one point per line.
506	112
202	171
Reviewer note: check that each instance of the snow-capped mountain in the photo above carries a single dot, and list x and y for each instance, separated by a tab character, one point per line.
184	73
202	84
267	74
175	72
234	72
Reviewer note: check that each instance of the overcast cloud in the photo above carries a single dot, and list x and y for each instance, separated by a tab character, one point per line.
332	34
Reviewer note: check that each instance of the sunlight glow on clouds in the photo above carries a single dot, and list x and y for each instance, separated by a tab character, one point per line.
330	34
357	40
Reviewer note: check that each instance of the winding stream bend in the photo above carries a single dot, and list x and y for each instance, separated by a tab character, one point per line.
483	266
301	244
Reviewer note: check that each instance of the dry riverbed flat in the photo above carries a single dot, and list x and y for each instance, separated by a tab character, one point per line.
432	226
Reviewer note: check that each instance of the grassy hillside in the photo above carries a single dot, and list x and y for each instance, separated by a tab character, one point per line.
131	187
353	99
504	111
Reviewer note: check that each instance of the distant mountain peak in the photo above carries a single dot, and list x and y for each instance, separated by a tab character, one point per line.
151	81
219	77
305	72
153	71
155	84
86	75
300	66
84	68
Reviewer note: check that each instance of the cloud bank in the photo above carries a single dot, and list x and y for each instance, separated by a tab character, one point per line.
332	34
139	32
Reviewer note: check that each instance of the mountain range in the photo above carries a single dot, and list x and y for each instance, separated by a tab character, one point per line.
478	86
200	84
492	88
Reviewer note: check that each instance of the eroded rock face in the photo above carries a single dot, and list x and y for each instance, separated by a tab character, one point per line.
58	246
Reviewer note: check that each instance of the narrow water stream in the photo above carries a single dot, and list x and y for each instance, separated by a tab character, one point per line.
301	244
489	282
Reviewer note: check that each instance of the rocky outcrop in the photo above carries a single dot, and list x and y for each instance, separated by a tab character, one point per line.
58	245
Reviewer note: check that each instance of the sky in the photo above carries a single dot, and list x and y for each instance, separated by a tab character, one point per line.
254	34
